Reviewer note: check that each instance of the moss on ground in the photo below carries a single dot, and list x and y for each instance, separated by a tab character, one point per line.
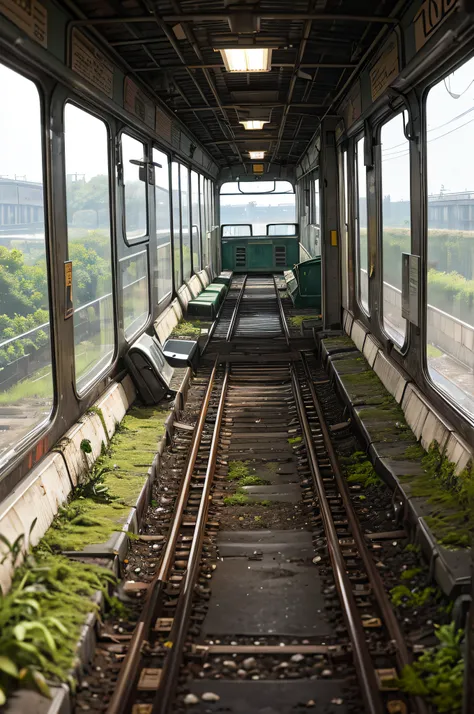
239	498
297	320
294	440
359	469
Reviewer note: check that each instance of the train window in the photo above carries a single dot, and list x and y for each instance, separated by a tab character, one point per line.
163	224
259	208
89	244
26	374
316	211
185	224
202	205
396	223
450	223
176	224
361	227
134	277
345	231
195	221
133	151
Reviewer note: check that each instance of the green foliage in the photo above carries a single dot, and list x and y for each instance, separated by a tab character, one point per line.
410	573
295	440
86	446
239	498
297	320
237	470
438	674
360	470
251	480
41	619
402	596
187	328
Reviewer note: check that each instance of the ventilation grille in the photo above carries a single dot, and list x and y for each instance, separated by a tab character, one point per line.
241	256
280	256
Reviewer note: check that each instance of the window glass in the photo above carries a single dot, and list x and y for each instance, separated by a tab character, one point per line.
134	276
258	209
89	247
361	226
135	190
345	233
317	216
202	185
163	225
185	226
196	221
396	226
450	309
176	224
26	379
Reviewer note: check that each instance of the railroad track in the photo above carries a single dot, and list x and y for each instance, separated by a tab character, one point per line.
268	416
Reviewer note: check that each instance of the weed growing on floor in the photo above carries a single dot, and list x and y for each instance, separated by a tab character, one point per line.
438	674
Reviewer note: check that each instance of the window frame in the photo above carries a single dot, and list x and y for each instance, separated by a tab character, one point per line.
187	168
404	347
157	147
195	268
146	251
358	292
12	457
121	184
441	74
84	106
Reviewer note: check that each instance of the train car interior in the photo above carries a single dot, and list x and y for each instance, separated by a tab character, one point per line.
236	356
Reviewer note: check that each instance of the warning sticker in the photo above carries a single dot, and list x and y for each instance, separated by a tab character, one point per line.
91	64
30	16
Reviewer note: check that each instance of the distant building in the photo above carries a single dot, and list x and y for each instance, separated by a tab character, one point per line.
21	202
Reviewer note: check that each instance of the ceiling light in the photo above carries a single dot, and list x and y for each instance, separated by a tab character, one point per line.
256	59
253	123
256	155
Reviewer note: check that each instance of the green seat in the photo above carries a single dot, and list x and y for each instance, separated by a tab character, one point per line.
224	278
205	308
218	290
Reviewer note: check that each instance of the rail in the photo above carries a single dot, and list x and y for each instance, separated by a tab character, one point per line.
119	704
362	659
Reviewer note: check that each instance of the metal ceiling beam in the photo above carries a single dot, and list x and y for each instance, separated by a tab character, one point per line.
264	105
223	17
275	65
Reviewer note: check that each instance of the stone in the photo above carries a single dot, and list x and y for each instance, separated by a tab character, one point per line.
230	664
191	699
210	697
249	663
297	658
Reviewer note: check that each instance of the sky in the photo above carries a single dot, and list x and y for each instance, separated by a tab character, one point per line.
450	126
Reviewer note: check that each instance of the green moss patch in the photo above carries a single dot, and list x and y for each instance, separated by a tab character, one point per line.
297	320
41	619
332	343
239	498
100	507
293	441
359	469
190	329
451	495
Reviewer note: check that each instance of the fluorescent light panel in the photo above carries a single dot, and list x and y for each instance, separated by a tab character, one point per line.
256	59
256	155
253	124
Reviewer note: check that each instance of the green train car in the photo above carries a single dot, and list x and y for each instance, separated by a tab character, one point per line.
258	253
